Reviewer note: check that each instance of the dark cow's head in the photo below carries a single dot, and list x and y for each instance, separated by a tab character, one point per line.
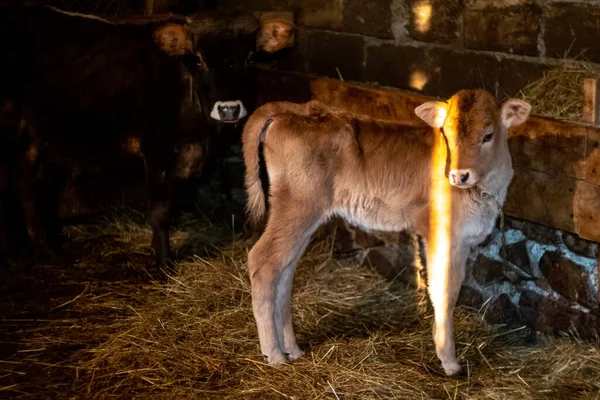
231	44
177	40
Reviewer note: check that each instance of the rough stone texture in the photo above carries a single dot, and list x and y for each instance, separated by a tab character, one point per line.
503	311
517	254
573	28
463	71
553	316
255	5
548	296
568	279
580	246
470	297
515	74
393	263
512	29
370	18
326	14
486	270
400	66
436	21
324	49
539	233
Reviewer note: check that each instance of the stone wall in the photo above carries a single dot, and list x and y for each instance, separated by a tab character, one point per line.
437	46
549	281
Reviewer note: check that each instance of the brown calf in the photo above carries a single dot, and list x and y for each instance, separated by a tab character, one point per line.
377	175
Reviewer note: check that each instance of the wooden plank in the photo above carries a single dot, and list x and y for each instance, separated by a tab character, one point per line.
149	7
586	206
591	102
593	156
542	198
386	104
552	146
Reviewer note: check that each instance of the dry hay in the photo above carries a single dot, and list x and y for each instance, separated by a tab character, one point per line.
195	337
559	93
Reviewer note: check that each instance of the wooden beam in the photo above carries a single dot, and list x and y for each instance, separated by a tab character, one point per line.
591	101
149	7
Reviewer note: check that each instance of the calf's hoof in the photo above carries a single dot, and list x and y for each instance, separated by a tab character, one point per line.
294	354
452	368
275	359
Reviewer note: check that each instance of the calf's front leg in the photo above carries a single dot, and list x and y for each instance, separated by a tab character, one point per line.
445	280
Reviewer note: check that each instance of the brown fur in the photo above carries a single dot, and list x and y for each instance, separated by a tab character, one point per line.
377	175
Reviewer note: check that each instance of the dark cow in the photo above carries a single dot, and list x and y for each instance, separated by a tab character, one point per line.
86	88
232	44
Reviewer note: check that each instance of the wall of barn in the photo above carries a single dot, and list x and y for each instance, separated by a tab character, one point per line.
438	46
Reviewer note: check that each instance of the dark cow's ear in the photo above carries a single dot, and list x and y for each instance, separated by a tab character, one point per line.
275	35
174	39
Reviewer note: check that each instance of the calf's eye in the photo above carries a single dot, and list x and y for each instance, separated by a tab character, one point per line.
488	137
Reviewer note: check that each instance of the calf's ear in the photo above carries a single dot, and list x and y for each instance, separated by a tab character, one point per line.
174	39
275	35
514	112
432	112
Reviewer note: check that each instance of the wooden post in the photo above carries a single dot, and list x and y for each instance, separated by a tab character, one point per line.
591	101
149	7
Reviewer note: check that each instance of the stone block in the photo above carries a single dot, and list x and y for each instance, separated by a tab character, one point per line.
405	67
503	311
255	5
486	270
369	18
467	70
515	74
331	52
568	278
325	14
511	29
517	254
436	21
393	263
580	246
572	29
539	233
470	297
553	316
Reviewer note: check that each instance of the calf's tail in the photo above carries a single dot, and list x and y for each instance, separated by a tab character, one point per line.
253	138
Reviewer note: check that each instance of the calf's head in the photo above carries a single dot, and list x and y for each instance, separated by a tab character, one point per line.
475	128
231	44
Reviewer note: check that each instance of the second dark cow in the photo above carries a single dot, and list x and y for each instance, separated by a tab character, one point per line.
86	89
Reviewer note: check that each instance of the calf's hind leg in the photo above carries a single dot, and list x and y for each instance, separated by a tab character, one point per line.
271	265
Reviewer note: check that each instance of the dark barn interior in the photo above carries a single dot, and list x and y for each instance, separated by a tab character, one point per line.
90	319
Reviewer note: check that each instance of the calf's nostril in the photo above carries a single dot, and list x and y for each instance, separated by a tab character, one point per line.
464	177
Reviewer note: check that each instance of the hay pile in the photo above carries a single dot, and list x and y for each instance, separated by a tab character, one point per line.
195	336
559	93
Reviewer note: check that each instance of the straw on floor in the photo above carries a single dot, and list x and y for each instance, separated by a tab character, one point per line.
117	336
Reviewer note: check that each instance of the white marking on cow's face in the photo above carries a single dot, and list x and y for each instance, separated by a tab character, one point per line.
228	112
